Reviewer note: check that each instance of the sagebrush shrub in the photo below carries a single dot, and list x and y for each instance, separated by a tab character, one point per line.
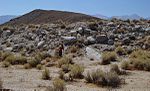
115	68
13	59
120	51
33	62
64	60
107	57
46	74
59	85
5	64
77	71
101	78
39	66
125	65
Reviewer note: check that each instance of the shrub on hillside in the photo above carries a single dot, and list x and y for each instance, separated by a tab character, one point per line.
101	78
5	64
125	65
59	85
14	59
64	60
120	51
139	60
107	57
46	74
115	68
77	71
39	66
33	62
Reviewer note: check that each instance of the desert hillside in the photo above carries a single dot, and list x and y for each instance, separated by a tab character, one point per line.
50	16
40	52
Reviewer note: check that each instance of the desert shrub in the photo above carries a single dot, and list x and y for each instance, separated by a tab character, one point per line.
112	79
137	54
76	71
66	67
101	78
61	74
115	68
46	74
94	76
73	49
39	66
1	84
64	60
13	59
140	59
4	55
41	56
125	65
107	57
27	66
59	85
120	51
5	64
33	62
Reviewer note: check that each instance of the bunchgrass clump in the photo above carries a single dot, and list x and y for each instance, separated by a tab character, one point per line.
64	60
108	57
59	85
33	62
139	60
5	64
39	66
14	59
101	78
77	71
46	74
120	51
115	68
125	65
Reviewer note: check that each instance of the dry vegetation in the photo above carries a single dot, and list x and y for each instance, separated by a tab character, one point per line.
101	78
108	57
139	60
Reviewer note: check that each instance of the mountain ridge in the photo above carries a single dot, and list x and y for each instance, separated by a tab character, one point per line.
39	16
6	18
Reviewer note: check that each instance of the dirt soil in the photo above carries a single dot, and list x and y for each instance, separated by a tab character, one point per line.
19	79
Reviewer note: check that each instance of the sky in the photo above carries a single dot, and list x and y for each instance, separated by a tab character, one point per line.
92	7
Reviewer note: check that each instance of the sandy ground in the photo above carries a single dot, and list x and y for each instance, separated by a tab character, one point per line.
19	79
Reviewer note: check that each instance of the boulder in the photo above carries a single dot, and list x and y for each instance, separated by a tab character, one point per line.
102	39
110	42
40	44
6	33
8	49
69	40
91	53
126	41
90	40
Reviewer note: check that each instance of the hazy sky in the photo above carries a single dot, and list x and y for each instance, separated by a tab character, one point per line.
104	7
